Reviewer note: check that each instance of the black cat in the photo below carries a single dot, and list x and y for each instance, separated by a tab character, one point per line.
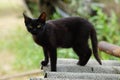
66	32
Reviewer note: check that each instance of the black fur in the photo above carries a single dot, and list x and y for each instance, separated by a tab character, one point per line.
66	33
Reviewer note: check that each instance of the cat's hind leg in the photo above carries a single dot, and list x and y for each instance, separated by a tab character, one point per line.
83	53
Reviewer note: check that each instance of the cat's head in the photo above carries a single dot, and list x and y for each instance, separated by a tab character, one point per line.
34	26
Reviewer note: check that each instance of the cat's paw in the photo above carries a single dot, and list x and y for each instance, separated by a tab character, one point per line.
78	63
81	64
44	63
53	70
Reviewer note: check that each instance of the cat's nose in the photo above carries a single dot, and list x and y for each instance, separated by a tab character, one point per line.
34	30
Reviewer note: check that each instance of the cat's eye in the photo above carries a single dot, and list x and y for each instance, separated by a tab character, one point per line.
31	27
38	26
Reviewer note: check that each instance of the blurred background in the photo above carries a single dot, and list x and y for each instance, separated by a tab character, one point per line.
18	52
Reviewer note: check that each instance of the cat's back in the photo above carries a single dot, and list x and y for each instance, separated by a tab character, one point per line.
68	19
71	23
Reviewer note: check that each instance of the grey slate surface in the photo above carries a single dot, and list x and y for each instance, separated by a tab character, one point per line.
57	79
96	76
86	69
68	70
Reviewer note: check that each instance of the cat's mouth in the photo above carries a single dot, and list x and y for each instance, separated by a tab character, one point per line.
34	32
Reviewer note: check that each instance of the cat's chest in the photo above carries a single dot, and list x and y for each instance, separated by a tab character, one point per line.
38	40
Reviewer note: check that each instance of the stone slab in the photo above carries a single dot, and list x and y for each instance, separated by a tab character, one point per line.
57	79
96	76
86	69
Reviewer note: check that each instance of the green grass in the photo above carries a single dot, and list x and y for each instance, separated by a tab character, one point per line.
27	53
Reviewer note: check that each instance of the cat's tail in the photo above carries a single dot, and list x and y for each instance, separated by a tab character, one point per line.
95	45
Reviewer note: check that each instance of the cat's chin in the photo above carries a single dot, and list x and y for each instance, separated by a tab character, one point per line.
34	33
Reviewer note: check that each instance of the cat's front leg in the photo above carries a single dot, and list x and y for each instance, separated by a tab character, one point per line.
53	59
46	55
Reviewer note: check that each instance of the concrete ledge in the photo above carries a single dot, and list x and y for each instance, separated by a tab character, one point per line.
67	69
56	79
90	62
96	76
86	69
69	65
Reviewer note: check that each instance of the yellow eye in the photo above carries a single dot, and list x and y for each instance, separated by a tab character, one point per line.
38	26
31	27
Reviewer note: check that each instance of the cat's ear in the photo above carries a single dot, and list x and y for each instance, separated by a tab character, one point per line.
26	18
42	17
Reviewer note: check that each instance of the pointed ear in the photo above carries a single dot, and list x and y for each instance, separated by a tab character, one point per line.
26	18
42	17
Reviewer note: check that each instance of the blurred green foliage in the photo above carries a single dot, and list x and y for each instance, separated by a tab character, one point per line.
33	8
107	28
